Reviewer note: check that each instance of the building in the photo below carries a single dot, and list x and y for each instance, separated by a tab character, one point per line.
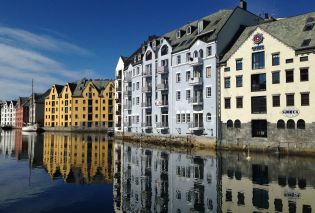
37	108
82	105
169	85
8	114
268	87
22	111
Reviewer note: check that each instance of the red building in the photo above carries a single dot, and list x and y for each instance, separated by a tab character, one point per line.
22	112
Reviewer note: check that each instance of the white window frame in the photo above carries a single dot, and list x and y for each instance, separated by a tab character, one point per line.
178	77
207	117
207	91
177	118
178	95
207	76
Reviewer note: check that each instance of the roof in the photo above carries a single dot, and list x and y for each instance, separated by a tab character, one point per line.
290	31
100	85
58	88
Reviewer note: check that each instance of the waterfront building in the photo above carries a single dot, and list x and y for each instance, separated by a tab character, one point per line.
85	104
268	87
37	108
8	114
169	85
22	111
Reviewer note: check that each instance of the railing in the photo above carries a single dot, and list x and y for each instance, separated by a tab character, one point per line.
127	78
127	124
127	91
147	72
196	61
118	89
162	86
146	104
146	89
196	100
118	77
196	125
161	103
195	81
147	124
127	106
162	125
162	69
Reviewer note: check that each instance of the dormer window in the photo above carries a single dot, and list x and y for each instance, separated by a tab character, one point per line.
200	26
306	42
154	44
188	30
178	34
139	57
135	59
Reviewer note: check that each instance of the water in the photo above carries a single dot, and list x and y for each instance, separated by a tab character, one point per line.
89	173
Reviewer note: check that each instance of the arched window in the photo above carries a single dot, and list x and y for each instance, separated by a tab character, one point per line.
291	124
280	124
148	56
196	54
164	50
237	124
208	117
201	53
301	124
229	124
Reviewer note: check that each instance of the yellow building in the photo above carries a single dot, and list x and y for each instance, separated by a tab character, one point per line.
78	156
83	105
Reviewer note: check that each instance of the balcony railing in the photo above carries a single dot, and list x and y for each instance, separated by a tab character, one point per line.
198	100
146	104
127	124
162	69
147	73
162	86
146	88
127	91
162	125
127	78
127	106
196	61
161	103
146	125
196	126
118	77
195	81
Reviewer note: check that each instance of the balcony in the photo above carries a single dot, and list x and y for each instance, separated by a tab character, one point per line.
161	103
118	101
196	61
118	89
147	73
195	81
196	126
147	125
127	124
127	78
146	89
127	92
163	86
146	104
162	125
162	70
127	106
198	100
118	77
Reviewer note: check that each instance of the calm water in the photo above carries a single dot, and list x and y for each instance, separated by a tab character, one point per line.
89	173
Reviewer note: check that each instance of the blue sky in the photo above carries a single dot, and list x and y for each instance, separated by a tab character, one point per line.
55	41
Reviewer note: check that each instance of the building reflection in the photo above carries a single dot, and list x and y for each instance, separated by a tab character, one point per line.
79	158
152	180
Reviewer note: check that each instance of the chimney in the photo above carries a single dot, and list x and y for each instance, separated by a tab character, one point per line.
243	4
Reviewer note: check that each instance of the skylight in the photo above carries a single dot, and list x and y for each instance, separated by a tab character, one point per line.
306	42
309	27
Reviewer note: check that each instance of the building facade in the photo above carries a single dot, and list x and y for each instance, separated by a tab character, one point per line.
22	111
85	104
267	85
37	108
8	114
168	85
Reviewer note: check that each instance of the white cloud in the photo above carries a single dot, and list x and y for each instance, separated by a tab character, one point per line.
21	61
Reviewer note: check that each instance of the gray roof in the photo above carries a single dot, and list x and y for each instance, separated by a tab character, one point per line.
100	85
290	31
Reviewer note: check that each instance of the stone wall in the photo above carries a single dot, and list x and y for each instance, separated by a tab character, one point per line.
78	129
286	140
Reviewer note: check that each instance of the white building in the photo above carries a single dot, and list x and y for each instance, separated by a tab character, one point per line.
8	114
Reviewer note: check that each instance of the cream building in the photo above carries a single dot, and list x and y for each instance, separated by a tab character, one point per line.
268	87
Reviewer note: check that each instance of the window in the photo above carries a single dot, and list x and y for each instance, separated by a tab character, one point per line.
289	76
304	58
227	83
259	105
300	124
187	75
208	92
227	69
258	82
201	53
229	124
177	95
179	61
227	103
177	77
187	117
239	102
276	77
289	61
275	59
164	50
258	60
304	74
290	99
280	124
187	94
188	30
209	51
177	118
208	72
309	27
276	101
306	42
138	85
200	26
290	124
183	117
178	34
239	81
237	124
188	57
259	129
208	117
239	64
137	100
196	54
305	99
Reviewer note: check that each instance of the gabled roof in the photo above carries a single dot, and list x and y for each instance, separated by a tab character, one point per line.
290	31
58	88
99	84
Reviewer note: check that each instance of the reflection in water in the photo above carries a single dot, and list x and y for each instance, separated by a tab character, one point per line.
148	179
78	158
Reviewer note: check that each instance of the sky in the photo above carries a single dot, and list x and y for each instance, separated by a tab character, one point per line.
59	41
